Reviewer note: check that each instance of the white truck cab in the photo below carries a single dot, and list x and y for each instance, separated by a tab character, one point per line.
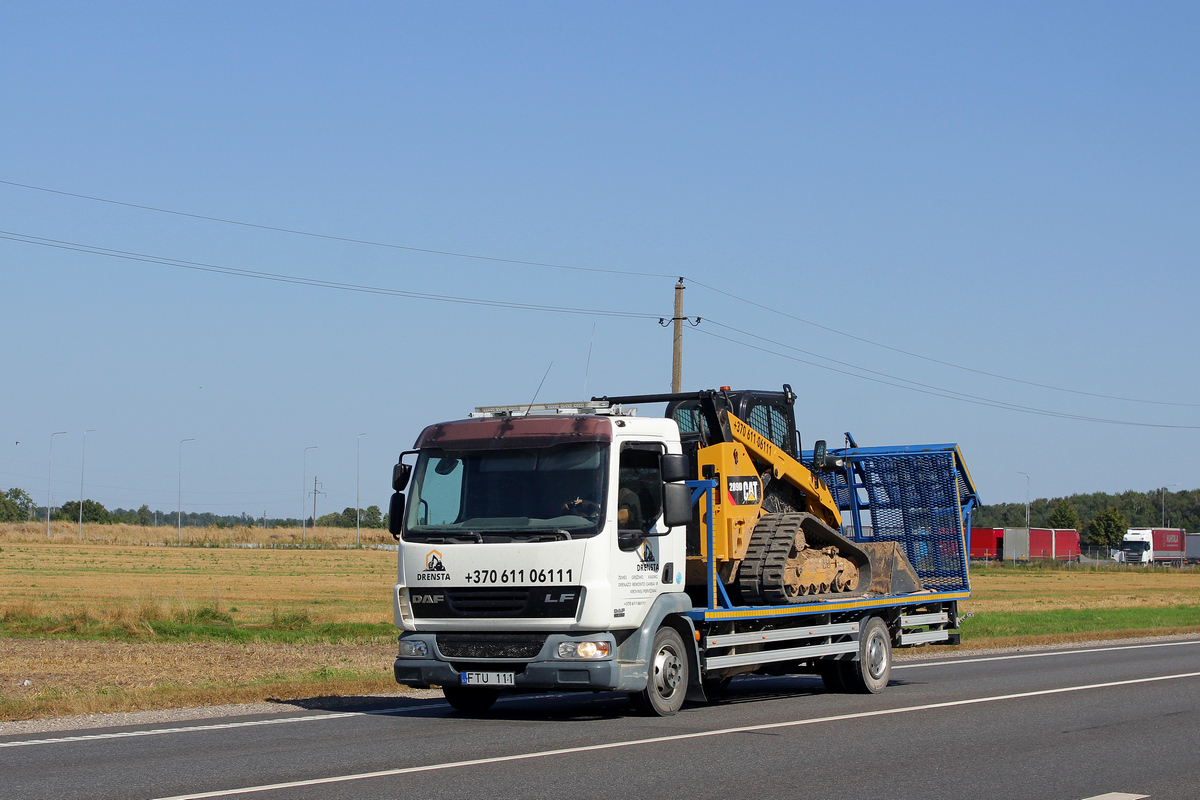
547	528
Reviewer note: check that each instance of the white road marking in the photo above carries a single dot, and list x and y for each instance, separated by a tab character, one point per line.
217	726
662	739
1118	796
92	737
953	661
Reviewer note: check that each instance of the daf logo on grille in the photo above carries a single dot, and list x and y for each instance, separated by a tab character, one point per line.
428	598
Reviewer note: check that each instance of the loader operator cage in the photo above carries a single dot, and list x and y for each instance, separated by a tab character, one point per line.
920	496
769	413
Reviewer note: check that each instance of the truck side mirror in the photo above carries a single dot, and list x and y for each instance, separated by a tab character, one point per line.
819	450
674	467
396	514
677	504
400	475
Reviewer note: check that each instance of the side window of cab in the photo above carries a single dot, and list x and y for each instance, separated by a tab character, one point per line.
639	488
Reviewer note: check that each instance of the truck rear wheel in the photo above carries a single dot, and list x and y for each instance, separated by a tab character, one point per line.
832	675
870	673
667	682
470	700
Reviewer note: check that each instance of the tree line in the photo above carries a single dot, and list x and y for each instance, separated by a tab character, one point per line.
1101	518
17	506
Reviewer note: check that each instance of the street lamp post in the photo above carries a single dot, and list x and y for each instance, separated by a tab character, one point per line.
49	472
304	492
179	498
1163	492
357	478
82	464
1026	474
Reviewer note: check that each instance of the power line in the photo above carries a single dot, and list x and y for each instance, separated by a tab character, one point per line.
947	394
323	284
333	238
497	259
864	340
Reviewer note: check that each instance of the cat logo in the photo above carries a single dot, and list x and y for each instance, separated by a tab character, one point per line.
428	598
744	491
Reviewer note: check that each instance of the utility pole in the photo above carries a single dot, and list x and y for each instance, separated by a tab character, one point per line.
677	341
304	492
357	498
316	492
1163	491
1026	474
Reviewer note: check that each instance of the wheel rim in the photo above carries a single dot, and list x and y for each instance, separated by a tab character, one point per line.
877	656
668	666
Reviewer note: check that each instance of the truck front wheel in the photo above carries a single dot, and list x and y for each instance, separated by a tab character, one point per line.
470	700
667	682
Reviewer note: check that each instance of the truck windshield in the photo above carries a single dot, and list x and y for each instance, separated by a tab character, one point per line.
545	493
1135	547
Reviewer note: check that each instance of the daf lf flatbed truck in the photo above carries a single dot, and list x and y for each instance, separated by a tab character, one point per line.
579	546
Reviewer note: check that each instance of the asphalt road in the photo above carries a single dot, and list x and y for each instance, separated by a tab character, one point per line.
1067	725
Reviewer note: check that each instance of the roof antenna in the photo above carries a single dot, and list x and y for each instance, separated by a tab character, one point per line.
535	394
589	359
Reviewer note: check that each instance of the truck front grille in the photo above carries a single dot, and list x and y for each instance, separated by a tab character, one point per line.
459	602
487	601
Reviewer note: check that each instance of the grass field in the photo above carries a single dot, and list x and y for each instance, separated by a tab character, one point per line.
129	623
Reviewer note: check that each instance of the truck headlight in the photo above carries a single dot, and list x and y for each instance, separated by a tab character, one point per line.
413	648
583	650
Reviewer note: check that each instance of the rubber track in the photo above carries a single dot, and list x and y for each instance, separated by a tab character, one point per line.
760	575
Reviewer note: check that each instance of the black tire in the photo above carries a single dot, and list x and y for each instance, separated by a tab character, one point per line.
470	699
870	673
832	675
667	682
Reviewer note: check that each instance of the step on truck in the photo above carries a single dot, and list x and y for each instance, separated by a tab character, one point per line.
579	546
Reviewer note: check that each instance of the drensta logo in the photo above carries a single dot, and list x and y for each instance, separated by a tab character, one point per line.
647	560
434	570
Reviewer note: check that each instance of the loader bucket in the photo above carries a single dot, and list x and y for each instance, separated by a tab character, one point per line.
891	572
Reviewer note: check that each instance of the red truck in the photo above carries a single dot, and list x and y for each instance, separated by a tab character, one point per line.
1153	546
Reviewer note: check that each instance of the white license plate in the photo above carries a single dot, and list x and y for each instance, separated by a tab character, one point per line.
489	678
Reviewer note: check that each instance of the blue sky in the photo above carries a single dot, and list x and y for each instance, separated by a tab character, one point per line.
1011	189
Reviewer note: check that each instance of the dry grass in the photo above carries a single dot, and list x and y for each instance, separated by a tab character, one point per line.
1011	589
127	587
65	532
132	584
74	677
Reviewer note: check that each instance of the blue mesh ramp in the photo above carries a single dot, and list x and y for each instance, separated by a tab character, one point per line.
918	495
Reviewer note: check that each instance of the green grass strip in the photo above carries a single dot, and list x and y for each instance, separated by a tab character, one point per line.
197	627
999	625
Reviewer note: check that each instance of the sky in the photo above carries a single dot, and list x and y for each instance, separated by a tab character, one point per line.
970	223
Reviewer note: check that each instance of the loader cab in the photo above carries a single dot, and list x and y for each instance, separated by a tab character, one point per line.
771	414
